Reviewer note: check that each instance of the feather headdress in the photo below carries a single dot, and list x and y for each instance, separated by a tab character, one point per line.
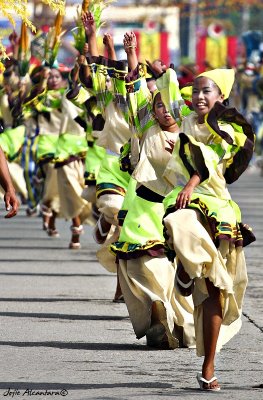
24	53
53	41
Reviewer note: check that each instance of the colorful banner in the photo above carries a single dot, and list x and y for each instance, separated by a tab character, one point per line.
150	46
216	53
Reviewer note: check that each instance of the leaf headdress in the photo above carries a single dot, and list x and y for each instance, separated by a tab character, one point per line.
53	41
96	7
24	53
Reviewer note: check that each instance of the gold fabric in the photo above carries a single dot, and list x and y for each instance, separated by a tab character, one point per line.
224	267
70	186
50	195
17	176
109	205
116	131
156	149
146	280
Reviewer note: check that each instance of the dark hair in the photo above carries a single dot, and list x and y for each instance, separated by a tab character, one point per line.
225	101
36	74
154	100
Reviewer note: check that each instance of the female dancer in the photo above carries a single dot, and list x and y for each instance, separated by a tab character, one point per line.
202	223
146	275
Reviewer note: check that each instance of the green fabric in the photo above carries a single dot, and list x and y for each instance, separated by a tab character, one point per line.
99	74
68	145
83	95
50	100
11	141
143	223
168	86
101	69
140	110
94	156
110	172
205	157
46	147
225	213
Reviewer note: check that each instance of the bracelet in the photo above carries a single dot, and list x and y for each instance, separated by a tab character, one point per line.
132	46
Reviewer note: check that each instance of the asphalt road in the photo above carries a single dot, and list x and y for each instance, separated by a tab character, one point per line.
61	336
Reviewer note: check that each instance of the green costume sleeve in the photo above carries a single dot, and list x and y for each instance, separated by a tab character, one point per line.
191	155
140	119
140	108
45	101
99	73
168	86
242	139
82	94
232	141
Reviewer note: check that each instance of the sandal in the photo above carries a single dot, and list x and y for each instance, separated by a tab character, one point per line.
185	289
74	246
46	215
76	231
202	382
45	226
100	235
118	299
52	232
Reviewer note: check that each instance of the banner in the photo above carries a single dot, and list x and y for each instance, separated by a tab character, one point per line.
216	53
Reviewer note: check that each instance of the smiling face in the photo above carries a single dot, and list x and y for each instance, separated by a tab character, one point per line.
205	94
162	115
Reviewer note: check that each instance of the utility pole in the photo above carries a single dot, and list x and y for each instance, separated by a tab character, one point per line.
192	29
245	17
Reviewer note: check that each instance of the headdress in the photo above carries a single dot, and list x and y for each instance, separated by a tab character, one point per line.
154	94
24	53
223	78
53	42
95	7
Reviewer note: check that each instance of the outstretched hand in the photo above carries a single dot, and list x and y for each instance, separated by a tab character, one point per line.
11	204
157	68
88	23
108	40
130	42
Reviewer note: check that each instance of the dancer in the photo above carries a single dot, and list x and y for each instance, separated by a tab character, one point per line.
111	182
146	275
202	223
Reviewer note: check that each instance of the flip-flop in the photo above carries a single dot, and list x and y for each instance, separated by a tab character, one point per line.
99	235
185	289
202	380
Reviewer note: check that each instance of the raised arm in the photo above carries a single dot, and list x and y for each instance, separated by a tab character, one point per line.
130	45
109	45
90	31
